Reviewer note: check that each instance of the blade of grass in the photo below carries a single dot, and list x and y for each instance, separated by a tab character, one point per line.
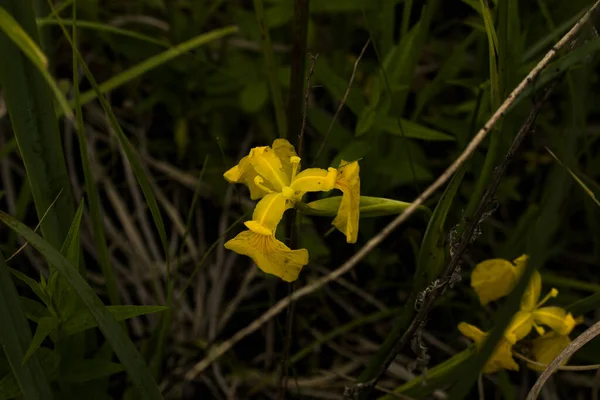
27	45
276	93
31	110
120	342
96	26
152	62
15	337
93	198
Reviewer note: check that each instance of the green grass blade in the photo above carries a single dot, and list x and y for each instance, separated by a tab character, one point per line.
45	326
96	26
153	62
13	30
15	337
120	342
93	198
32	115
432	253
276	93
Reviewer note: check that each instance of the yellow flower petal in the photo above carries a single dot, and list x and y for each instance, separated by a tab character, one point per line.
472	332
314	180
493	279
532	293
519	327
520	263
501	358
269	254
269	166
245	173
556	318
348	181
269	210
284	151
545	348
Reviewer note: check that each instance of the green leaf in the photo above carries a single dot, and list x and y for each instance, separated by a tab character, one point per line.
37	288
45	327
432	253
15	337
411	130
21	39
366	119
438	377
369	207
155	61
254	96
120	342
337	86
88	370
34	310
83	320
104	28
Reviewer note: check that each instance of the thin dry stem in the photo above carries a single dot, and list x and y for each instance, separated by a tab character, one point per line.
376	240
589	334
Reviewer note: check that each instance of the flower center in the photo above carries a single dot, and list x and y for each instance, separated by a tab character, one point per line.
287	192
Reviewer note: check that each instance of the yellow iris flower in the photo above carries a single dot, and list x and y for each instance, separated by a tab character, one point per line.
272	175
493	279
501	358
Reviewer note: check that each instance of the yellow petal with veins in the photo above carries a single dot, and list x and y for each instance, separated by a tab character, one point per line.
245	173
493	279
269	166
284	151
269	254
545	348
269	210
556	318
314	180
348	181
501	358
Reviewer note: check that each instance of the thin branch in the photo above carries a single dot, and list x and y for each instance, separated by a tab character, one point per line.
221	349
590	333
592	367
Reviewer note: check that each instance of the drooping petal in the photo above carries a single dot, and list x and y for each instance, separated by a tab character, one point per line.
269	210
314	180
520	263
269	254
348	181
472	332
557	318
284	151
268	165
501	358
493	279
245	173
545	348
532	292
519	327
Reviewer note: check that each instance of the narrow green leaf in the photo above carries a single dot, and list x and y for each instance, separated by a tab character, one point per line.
31	109
369	207
120	342
154	62
13	30
88	370
105	28
34	310
15	337
411	129
275	87
437	377
33	285
432	253
83	320
93	198
45	327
